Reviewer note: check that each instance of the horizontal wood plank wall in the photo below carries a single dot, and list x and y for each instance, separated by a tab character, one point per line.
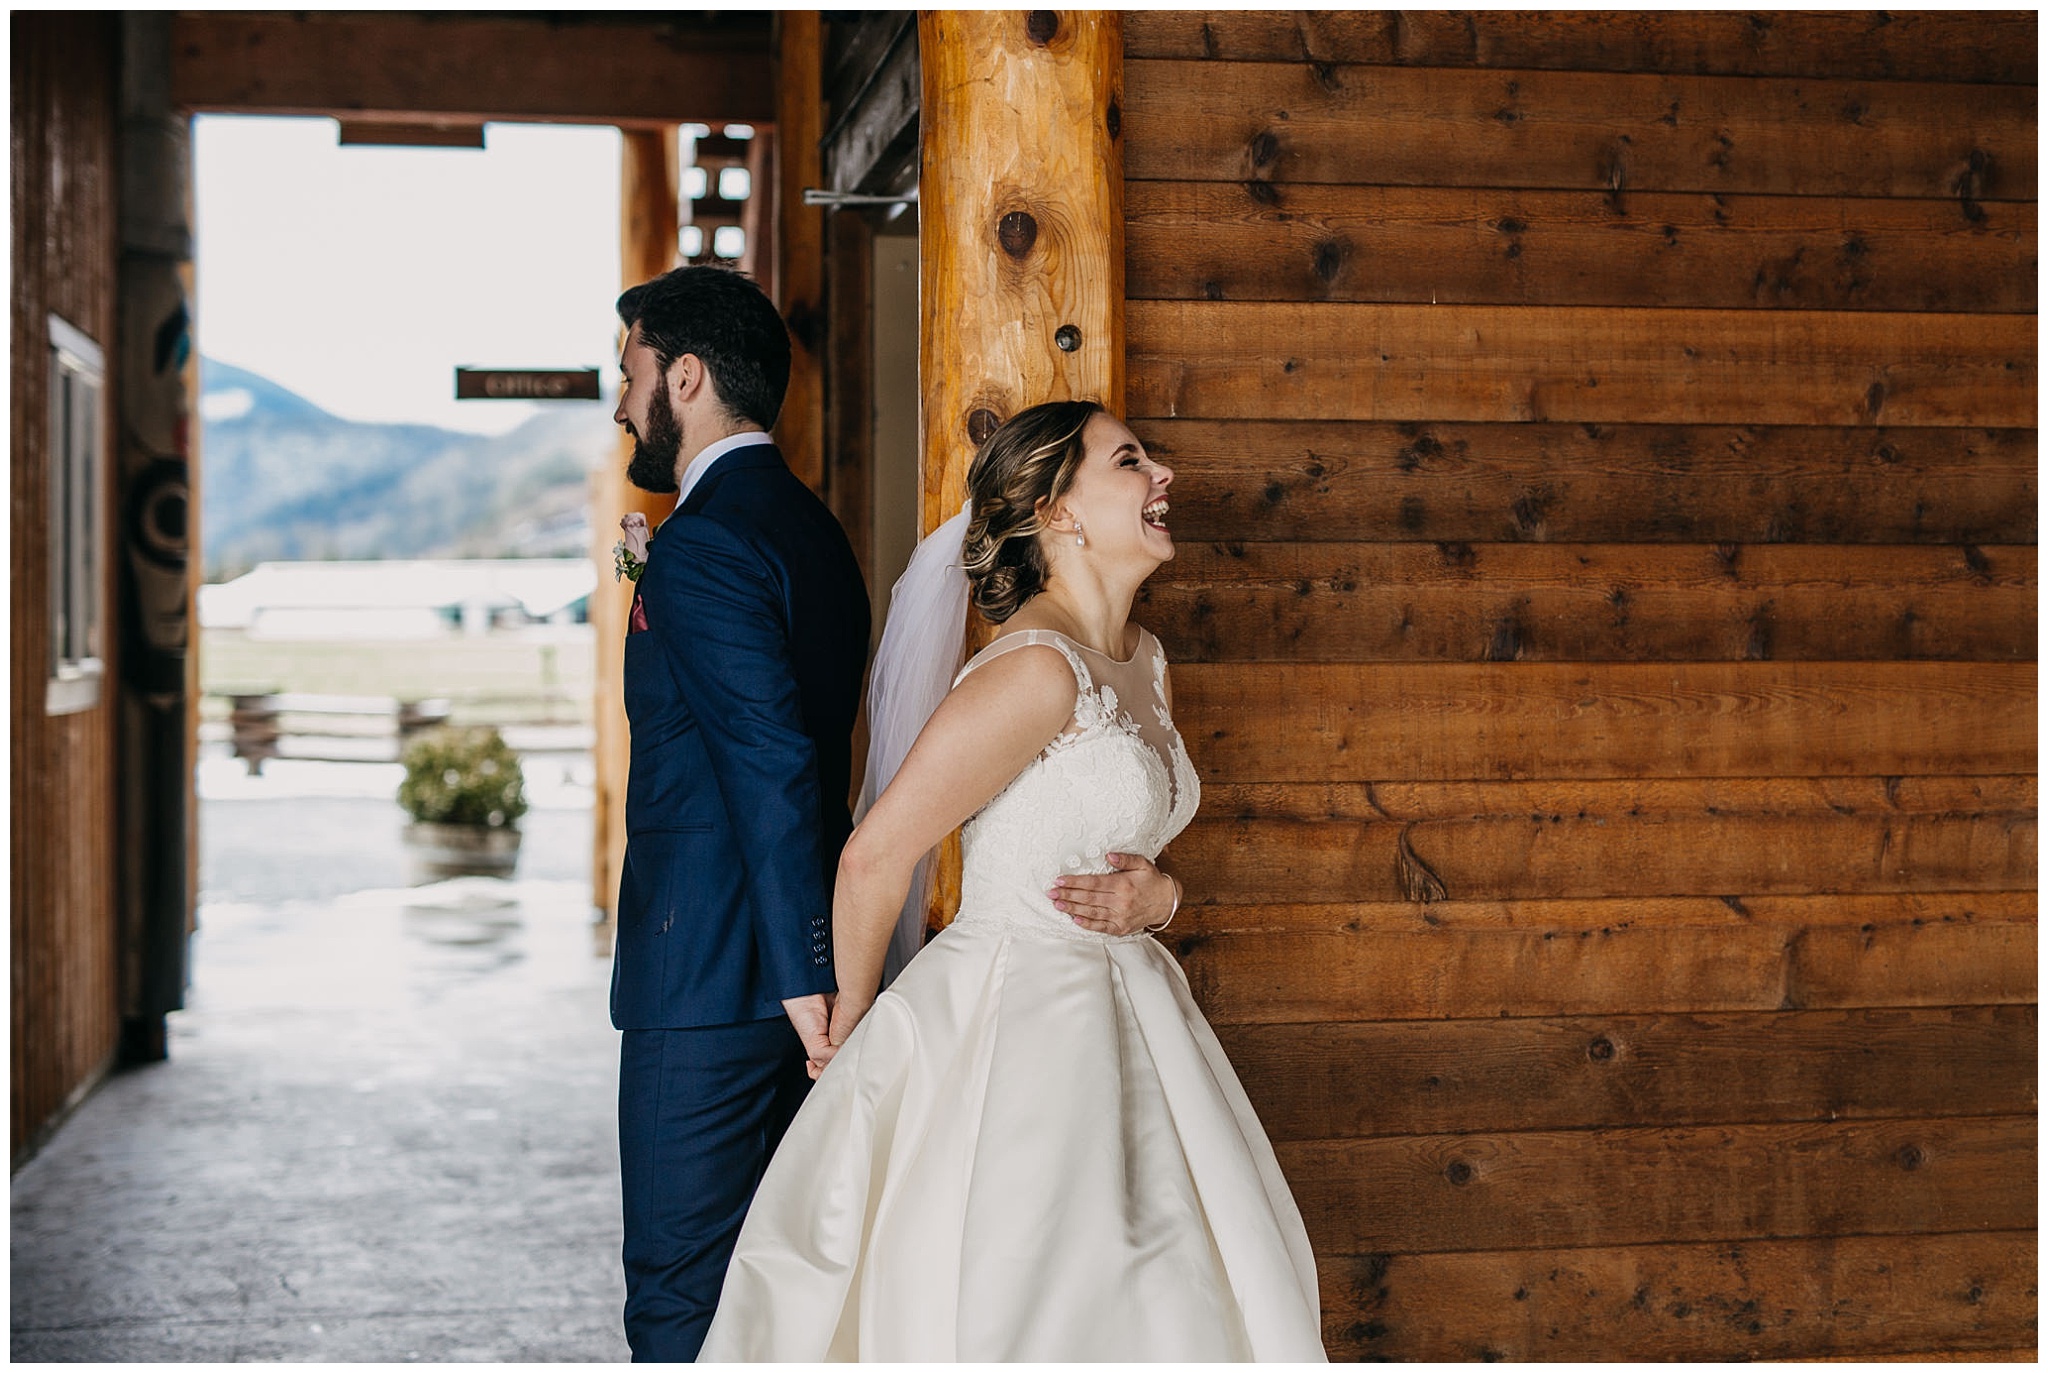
66	998
1605	619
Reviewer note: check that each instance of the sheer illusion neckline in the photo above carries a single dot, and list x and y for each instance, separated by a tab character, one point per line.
1061	634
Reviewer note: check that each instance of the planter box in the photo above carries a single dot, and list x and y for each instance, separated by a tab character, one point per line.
442	851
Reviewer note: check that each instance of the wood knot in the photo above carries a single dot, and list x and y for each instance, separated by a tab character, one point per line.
1329	261
1067	337
1265	147
1113	120
980	424
1600	1050
1042	26
1911	1156
1505	644
1017	231
1459	1172
1416	879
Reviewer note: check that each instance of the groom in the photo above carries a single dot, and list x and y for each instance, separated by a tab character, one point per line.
743	670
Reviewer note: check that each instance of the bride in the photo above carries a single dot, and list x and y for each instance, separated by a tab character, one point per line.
1029	1146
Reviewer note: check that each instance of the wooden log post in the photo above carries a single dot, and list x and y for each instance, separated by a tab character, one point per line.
1021	266
1021	196
799	249
649	192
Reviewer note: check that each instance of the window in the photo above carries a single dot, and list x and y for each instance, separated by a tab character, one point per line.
77	383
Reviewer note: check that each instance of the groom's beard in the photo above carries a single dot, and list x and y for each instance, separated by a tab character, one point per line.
653	467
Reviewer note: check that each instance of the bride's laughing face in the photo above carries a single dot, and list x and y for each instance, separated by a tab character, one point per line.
1118	499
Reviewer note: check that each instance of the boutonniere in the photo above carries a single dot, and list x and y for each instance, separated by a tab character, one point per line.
629	555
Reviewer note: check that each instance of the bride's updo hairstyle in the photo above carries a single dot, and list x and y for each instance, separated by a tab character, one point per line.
1031	457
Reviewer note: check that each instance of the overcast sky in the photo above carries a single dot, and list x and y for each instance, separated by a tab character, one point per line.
362	277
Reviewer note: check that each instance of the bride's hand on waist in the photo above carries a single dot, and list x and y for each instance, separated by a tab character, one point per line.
1136	896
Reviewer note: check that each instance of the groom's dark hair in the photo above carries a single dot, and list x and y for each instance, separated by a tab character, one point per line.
726	321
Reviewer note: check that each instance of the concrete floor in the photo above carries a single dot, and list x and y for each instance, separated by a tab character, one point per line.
386	1130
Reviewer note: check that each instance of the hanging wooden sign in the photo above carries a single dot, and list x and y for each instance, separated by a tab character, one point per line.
488	383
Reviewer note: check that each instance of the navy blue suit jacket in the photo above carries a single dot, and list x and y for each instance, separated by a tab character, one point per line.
742	692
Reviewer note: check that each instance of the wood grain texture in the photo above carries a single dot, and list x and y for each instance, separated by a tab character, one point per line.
1298	122
1341	1080
1018	133
1857	1296
1983	47
1573	915
871	145
1020	237
1603	618
1648	799
1459	246
799	284
1552	1189
645	73
1307	722
1356	602
849	389
1623	483
648	210
1284	360
63	952
1462	974
1585	854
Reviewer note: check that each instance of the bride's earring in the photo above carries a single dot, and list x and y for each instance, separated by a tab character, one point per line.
1080	539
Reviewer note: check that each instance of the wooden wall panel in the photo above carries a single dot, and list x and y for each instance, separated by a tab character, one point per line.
1605	622
1459	246
65	992
1982	47
1353	602
1300	122
1337	1080
1653	1185
1460	974
1586	914
1287	360
1856	1296
1312	722
1454	482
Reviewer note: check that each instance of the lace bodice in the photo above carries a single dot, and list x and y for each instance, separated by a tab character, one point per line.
1116	780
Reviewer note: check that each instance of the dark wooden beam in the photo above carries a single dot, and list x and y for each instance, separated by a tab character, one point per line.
871	145
384	133
433	69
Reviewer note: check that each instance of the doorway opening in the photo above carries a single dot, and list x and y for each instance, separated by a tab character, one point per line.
381	558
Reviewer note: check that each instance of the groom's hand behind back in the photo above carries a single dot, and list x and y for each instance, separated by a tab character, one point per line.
812	1017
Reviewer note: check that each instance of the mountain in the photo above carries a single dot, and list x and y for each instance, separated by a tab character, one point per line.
283	479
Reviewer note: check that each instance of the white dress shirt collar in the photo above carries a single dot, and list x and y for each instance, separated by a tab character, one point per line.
701	464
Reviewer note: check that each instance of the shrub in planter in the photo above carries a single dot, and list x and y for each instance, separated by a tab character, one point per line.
465	793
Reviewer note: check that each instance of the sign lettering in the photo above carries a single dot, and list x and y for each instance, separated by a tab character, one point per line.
498	383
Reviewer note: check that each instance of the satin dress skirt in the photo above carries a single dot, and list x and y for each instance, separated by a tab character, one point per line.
1030	1149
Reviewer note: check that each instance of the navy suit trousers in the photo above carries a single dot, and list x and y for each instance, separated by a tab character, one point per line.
700	1112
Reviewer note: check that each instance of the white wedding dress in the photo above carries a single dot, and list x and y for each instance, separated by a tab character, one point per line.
1032	1147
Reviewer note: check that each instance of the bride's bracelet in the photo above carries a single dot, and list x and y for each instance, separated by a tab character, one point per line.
1176	906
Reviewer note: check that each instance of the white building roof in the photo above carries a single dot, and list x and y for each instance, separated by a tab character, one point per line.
538	586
